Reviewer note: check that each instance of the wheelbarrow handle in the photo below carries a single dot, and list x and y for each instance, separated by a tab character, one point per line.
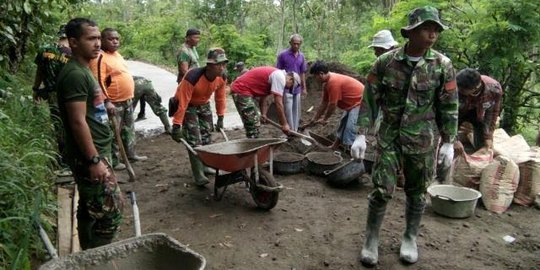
189	148
224	134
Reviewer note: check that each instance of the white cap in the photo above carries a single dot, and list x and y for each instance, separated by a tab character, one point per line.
383	39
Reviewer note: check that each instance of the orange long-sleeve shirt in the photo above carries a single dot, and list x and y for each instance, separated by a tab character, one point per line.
195	89
111	71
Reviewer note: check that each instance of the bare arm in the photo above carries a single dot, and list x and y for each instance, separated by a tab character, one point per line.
278	100
183	68
330	109
303	83
76	113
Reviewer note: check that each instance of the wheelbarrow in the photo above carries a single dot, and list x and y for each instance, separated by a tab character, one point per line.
239	160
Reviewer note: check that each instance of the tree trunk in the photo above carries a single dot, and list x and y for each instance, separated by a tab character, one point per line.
281	27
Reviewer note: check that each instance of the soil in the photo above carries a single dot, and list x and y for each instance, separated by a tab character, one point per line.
313	226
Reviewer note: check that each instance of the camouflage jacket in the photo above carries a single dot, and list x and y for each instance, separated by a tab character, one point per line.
50	60
415	101
486	106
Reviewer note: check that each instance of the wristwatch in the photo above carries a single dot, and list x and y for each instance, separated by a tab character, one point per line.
94	160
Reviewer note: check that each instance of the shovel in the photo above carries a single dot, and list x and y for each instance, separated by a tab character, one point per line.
116	129
297	134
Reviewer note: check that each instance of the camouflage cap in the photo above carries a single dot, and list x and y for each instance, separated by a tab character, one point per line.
216	56
62	31
420	15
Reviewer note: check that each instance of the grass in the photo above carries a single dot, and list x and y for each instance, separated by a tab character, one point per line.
27	156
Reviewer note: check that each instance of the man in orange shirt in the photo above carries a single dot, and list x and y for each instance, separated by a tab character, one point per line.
339	91
193	119
112	73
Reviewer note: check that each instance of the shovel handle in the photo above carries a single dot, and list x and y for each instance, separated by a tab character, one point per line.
297	134
120	144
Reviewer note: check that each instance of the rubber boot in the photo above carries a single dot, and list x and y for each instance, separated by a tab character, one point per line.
209	171
408	252
165	120
370	251
197	167
133	157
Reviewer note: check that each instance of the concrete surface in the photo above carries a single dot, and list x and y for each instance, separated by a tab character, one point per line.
165	85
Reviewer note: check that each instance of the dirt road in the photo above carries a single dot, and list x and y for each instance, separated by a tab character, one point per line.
313	226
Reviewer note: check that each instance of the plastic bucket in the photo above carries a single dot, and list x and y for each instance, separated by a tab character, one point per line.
453	201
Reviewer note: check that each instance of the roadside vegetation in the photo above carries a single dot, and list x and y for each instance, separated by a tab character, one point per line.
501	38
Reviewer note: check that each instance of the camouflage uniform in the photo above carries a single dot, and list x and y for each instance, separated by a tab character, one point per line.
100	207
143	87
250	114
50	61
198	125
414	100
124	118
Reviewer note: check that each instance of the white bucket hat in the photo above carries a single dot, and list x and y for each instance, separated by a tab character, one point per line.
383	39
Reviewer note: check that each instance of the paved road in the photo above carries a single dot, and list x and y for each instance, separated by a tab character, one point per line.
165	84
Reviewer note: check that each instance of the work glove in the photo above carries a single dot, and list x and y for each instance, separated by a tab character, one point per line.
358	148
219	124
176	133
446	155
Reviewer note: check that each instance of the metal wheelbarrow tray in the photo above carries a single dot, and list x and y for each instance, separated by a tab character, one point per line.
241	159
156	251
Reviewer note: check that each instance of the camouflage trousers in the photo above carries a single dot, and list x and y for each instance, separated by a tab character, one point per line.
144	87
100	207
124	119
197	125
417	169
250	114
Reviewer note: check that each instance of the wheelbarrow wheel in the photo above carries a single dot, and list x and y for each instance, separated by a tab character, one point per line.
265	200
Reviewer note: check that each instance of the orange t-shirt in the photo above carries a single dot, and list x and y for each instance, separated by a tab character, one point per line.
113	76
195	89
343	90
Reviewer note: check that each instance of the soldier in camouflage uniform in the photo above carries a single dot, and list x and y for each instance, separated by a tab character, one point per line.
415	88
144	88
193	119
50	60
88	138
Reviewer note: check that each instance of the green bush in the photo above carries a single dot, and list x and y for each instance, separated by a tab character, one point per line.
26	156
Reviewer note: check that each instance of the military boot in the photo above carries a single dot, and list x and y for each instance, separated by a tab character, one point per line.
197	167
165	120
370	251
408	252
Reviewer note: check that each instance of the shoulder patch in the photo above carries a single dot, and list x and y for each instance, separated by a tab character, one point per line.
450	86
372	78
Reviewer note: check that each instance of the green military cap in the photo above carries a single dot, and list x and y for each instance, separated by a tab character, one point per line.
420	15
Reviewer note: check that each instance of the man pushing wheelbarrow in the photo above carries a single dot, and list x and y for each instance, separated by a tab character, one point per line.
193	118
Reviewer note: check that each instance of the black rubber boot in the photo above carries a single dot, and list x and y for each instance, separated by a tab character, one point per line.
408	252
370	251
197	167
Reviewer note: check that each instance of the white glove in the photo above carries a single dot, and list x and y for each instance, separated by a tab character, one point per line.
358	148
446	155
